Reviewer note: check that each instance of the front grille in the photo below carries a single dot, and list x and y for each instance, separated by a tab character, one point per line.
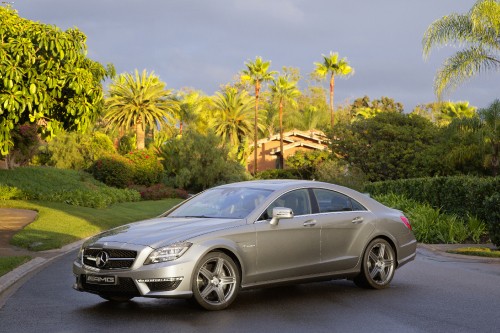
113	258
125	286
163	286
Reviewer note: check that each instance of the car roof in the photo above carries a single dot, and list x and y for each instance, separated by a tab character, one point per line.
283	185
279	184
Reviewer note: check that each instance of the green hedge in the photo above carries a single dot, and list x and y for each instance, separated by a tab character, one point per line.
460	195
58	185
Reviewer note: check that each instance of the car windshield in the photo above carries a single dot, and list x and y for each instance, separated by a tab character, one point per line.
223	203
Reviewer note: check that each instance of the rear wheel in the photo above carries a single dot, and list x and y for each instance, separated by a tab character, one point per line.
378	266
216	281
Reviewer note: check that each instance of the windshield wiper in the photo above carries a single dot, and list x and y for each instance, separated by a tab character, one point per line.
194	216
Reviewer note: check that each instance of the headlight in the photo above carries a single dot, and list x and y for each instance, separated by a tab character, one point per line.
167	253
79	257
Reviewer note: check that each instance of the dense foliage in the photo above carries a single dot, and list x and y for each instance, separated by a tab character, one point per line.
460	195
196	162
147	169
45	78
113	170
77	151
389	145
432	226
68	186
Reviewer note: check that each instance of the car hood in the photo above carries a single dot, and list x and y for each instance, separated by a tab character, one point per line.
163	231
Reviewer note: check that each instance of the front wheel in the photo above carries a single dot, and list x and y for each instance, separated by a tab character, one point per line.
216	281
378	266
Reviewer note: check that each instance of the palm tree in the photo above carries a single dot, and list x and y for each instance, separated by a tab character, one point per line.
139	101
257	72
333	66
190	106
284	90
486	127
478	31
453	110
233	115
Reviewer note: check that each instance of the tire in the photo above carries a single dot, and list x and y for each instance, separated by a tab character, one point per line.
116	299
378	265
216	281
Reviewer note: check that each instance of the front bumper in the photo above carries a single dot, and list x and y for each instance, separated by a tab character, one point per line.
163	280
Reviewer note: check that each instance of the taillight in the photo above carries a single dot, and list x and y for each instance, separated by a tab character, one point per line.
405	220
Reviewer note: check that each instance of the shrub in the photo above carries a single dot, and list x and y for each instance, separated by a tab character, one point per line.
431	225
78	151
113	170
10	193
460	195
492	204
58	185
147	169
26	143
279	174
196	162
338	172
159	191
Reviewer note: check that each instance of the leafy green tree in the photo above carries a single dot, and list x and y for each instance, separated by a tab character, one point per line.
478	31
485	127
139	101
196	162
364	108
313	110
45	78
257	72
26	145
332	66
73	150
190	106
443	113
390	146
306	163
284	90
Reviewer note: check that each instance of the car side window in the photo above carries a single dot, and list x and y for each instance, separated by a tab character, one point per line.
297	200
331	201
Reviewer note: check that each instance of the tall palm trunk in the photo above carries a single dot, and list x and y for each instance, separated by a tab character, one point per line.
332	87
257	92
282	159
140	135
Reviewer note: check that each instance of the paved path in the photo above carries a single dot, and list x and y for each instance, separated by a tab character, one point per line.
11	221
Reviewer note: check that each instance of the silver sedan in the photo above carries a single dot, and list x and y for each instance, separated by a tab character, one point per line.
246	235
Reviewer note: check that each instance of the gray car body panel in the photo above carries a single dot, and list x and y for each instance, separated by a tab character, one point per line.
306	247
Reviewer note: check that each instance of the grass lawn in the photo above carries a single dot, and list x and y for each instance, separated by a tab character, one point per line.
477	251
59	224
9	263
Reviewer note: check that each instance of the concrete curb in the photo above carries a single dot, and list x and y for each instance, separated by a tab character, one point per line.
23	272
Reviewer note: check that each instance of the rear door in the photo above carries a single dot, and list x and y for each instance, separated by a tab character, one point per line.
345	229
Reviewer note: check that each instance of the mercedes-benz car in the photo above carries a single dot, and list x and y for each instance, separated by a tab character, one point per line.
246	235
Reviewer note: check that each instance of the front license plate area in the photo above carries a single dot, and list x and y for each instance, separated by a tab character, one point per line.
108	280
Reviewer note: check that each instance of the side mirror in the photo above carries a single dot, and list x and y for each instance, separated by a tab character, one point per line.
281	213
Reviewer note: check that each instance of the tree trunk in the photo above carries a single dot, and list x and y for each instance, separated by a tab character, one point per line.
257	91
332	87
282	159
140	135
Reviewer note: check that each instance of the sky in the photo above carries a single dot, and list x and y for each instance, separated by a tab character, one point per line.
203	44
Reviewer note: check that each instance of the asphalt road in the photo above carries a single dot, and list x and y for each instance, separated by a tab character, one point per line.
432	294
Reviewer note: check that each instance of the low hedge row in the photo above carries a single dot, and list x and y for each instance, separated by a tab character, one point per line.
459	195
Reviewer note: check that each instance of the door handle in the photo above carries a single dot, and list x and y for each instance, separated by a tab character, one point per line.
309	223
357	220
